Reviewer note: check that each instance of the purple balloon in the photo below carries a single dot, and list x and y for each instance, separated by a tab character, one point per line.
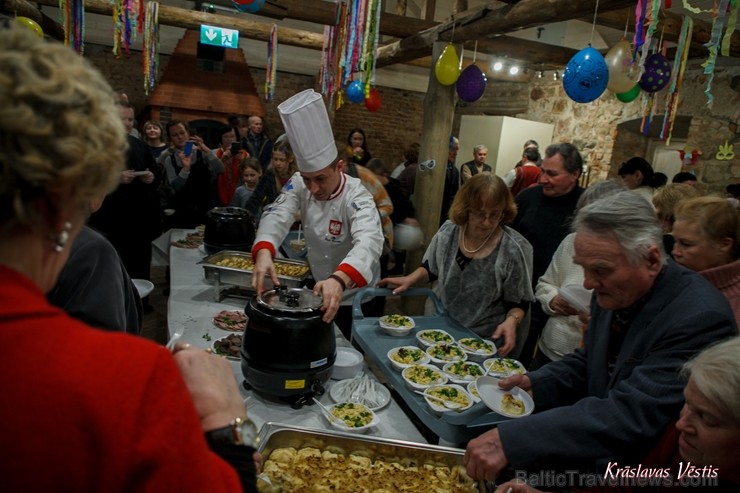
657	73
471	84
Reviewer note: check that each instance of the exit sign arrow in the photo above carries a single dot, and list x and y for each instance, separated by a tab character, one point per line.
211	34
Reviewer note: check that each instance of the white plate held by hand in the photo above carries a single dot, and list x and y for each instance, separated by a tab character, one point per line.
492	396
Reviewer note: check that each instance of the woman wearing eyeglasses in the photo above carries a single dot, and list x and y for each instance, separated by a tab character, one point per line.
482	266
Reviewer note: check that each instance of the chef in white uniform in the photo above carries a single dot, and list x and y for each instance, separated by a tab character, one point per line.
344	237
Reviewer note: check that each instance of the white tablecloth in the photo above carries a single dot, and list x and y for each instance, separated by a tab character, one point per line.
190	309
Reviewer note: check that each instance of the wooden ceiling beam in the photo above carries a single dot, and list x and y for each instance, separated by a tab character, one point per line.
23	8
670	27
488	22
191	19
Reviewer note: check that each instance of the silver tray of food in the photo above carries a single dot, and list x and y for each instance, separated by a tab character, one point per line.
235	268
294	456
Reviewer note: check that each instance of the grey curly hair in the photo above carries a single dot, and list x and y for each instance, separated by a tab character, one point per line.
61	136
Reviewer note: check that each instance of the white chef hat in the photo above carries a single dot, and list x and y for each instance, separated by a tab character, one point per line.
307	125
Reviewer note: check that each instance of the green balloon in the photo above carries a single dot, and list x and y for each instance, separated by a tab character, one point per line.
630	95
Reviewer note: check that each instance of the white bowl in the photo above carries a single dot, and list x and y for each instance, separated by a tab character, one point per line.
419	377
441	354
576	296
347	364
362	412
503	367
407	237
430	337
390	326
492	396
414	356
472	388
143	286
463	372
477	349
440	390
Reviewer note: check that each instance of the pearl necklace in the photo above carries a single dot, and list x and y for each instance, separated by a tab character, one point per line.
465	248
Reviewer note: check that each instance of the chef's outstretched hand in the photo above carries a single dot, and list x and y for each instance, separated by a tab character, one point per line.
263	266
331	291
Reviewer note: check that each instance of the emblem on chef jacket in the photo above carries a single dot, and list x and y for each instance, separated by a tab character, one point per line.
335	227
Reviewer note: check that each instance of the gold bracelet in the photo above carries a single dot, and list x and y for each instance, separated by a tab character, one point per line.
515	317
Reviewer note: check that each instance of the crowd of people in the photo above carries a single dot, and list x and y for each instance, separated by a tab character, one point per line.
625	379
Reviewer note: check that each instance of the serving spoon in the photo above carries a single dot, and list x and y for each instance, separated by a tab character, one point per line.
447	404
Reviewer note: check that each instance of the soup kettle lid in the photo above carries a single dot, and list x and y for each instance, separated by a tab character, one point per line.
287	299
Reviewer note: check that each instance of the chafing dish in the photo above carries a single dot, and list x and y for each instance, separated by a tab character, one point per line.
274	435
224	277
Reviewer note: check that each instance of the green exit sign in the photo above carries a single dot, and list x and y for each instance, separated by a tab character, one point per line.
219	36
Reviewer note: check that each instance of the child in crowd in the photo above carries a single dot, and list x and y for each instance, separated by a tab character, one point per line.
250	170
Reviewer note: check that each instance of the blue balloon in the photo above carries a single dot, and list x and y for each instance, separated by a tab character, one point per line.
356	91
471	84
586	76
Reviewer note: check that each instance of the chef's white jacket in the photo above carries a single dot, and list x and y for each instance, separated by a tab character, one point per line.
342	233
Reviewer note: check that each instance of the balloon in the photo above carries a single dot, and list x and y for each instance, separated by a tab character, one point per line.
586	76
356	91
372	101
630	95
407	237
657	73
250	6
471	84
447	68
30	24
622	72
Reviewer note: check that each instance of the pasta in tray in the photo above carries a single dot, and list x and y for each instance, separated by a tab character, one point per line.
310	470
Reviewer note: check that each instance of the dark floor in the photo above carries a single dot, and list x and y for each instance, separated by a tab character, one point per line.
155	315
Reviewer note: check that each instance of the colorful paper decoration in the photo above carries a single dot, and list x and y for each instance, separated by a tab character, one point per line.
150	47
271	69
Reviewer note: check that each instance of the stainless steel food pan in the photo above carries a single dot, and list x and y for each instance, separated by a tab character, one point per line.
241	277
276	435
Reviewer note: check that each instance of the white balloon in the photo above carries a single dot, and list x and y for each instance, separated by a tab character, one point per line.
407	237
623	74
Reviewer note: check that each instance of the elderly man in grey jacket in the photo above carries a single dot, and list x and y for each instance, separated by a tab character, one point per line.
611	400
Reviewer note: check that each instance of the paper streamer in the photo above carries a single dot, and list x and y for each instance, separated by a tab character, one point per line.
679	69
713	46
150	47
271	68
72	18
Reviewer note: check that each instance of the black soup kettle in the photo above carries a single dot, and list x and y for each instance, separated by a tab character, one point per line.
287	350
228	228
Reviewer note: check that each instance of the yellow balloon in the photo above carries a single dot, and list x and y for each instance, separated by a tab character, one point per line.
447	69
623	74
30	24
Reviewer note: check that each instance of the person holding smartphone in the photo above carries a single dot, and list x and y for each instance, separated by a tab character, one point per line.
191	169
232	155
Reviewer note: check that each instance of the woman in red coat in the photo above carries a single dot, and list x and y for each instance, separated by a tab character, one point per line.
86	410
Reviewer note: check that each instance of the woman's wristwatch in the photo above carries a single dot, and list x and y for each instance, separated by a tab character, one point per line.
241	431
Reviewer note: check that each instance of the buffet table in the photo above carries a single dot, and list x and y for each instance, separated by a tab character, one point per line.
190	310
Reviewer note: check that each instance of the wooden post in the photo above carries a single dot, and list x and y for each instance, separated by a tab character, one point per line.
439	110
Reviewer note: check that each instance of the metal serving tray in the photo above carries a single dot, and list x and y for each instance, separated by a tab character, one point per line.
223	277
455	427
276	435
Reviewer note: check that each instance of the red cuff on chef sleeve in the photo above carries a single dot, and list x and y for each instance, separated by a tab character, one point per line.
353	274
261	246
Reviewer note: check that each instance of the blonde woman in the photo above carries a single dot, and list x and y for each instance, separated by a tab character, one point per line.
707	235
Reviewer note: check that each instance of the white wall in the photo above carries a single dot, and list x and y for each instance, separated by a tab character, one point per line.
504	136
